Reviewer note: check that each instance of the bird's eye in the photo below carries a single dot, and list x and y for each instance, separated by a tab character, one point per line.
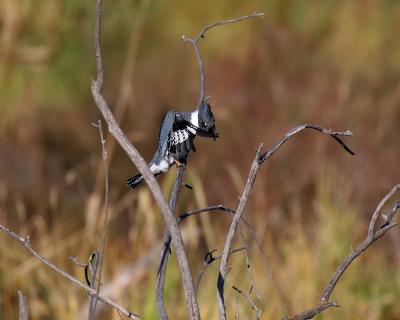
203	124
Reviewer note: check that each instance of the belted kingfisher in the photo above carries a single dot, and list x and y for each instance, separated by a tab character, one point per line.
177	132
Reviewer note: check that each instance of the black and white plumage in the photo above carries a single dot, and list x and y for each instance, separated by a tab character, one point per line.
175	141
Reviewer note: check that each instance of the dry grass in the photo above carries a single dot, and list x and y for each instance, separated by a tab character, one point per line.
326	62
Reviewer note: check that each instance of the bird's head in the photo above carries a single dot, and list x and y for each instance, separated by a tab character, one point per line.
206	121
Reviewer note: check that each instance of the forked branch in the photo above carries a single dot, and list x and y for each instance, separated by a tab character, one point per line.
257	162
195	43
373	234
142	166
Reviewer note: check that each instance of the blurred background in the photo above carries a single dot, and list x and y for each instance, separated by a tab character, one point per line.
332	63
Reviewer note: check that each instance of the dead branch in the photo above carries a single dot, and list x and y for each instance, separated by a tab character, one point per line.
311	313
162	269
167	236
141	164
93	302
253	286
187	214
371	237
23	309
259	159
250	300
334	134
209	258
25	242
195	43
223	269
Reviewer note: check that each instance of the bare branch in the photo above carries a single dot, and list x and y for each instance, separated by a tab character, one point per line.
250	300
23	309
223	270
195	44
354	253
246	193
364	245
334	134
311	313
162	269
99	262
185	215
93	267
142	166
24	242
209	258
248	266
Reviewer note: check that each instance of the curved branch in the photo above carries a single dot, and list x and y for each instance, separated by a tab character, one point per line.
334	134
364	245
162	269
257	162
354	253
195	43
142	166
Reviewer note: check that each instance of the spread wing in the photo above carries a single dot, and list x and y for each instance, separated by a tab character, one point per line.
175	137
180	139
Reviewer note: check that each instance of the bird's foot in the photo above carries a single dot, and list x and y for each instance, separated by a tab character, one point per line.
179	164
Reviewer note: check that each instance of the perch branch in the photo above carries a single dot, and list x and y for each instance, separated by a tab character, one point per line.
142	166
195	43
257	162
162	269
25	242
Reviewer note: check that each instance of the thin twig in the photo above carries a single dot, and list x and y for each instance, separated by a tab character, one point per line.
250	300
24	242
137	159
260	159
334	134
162	269
371	237
23	309
92	307
93	267
187	214
223	269
311	313
209	258
253	286
195	44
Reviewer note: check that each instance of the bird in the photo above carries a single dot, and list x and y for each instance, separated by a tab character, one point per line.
175	140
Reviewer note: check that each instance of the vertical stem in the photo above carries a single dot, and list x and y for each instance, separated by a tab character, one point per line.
162	269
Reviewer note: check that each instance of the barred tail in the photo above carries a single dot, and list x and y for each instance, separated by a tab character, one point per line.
134	181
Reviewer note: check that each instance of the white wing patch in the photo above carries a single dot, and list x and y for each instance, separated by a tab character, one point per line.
194	120
179	136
